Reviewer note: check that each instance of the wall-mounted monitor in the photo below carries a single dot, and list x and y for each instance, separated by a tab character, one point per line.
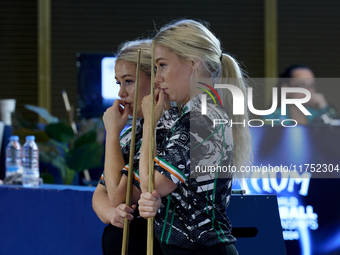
97	88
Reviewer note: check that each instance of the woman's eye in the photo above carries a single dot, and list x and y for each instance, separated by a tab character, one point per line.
161	66
128	82
117	82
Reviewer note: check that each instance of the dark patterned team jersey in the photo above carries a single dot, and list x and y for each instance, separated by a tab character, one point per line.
194	216
162	128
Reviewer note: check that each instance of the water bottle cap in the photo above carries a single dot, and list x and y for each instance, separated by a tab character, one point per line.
14	138
30	138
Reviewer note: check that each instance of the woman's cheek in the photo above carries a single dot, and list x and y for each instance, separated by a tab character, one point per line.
131	109
139	112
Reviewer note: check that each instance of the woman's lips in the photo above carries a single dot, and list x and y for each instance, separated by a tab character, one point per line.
126	103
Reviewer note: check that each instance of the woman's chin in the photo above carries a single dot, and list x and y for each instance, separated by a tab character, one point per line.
170	99
131	112
139	113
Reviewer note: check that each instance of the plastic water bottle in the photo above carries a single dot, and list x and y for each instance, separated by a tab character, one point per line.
13	156
30	162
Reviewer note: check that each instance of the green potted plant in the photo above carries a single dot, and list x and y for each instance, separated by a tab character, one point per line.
61	148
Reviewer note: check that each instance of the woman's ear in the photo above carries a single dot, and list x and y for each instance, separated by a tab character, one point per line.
193	64
200	69
196	65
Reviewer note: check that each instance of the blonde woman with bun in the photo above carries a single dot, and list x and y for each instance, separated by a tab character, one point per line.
108	199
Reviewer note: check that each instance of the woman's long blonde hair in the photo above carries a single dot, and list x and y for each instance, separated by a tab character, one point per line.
191	40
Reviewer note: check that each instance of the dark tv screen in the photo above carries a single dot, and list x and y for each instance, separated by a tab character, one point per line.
97	88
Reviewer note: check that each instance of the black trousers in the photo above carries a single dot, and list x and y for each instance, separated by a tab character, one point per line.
218	249
113	237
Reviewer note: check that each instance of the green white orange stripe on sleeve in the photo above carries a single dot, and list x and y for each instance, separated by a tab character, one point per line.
171	169
135	173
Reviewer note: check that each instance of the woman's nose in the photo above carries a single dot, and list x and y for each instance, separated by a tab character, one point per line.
122	92
158	78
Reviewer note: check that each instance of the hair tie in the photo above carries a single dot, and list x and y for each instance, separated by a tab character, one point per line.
221	57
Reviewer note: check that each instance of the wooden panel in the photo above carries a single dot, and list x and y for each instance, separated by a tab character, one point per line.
309	34
18	53
100	26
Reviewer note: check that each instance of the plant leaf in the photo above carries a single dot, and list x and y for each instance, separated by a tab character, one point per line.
48	178
84	157
60	132
89	137
42	112
70	173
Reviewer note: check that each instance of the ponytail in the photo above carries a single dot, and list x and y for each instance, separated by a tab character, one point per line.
231	73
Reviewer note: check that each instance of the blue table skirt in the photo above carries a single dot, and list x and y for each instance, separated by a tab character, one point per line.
51	219
59	219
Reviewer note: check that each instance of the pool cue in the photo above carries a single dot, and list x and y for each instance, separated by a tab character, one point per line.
125	242
151	148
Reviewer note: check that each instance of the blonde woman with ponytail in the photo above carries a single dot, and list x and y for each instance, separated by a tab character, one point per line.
190	213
